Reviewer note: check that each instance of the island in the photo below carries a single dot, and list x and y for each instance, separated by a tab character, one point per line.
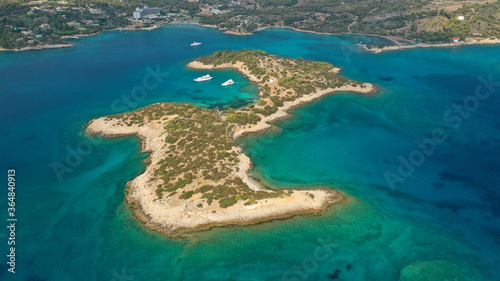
198	177
33	25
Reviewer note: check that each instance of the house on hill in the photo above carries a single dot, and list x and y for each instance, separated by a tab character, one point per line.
146	12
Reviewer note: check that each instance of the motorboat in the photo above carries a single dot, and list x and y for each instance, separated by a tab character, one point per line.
203	78
228	82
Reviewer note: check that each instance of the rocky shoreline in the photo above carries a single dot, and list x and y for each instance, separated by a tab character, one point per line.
39	47
375	50
468	42
174	218
282	113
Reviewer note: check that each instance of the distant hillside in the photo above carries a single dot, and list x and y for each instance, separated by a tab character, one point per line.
31	23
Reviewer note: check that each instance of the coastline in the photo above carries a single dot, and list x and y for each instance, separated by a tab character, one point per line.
390	38
176	217
282	112
375	50
39	47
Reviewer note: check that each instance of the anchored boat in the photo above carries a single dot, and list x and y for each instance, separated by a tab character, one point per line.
228	82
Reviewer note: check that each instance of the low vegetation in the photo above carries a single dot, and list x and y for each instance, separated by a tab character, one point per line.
31	23
283	79
200	158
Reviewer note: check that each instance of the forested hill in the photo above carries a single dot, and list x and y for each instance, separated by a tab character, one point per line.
24	23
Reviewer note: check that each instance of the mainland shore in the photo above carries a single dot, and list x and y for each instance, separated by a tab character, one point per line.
467	42
376	50
176	217
38	47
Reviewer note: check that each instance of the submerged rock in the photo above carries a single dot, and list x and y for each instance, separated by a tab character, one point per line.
335	274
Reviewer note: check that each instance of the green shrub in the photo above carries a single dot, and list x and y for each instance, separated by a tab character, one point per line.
250	201
159	192
227	202
186	195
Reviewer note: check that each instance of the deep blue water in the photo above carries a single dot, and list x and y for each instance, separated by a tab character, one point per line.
77	227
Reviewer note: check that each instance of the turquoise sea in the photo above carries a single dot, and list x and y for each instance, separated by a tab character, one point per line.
437	218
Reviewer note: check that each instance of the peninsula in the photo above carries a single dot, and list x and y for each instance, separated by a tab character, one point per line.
197	176
398	47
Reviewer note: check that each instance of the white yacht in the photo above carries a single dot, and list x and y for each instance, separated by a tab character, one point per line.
228	82
196	43
203	78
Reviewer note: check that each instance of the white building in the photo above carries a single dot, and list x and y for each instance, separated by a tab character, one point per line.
218	12
460	18
146	12
94	11
45	26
